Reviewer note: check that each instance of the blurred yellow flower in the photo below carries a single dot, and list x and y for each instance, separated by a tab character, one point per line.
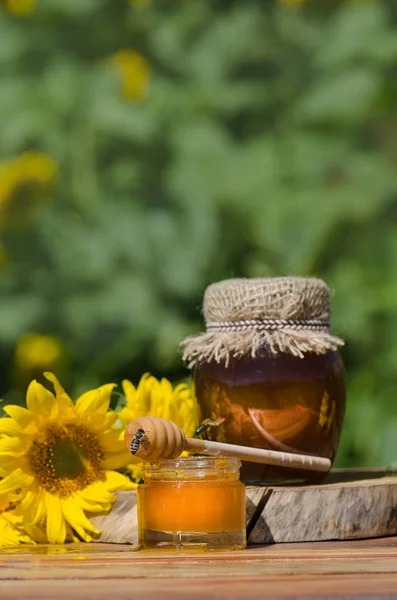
20	7
35	352
25	183
58	458
159	399
11	531
133	70
3	256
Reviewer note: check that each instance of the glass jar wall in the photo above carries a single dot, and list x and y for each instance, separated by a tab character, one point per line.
278	402
190	503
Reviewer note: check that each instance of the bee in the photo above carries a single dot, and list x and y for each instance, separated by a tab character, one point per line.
204	429
138	440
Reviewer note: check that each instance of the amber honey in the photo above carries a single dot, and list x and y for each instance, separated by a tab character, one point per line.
277	402
192	502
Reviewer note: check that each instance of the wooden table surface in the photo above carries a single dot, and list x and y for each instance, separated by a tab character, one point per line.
358	569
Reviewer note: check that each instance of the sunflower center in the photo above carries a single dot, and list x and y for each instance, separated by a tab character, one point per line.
66	459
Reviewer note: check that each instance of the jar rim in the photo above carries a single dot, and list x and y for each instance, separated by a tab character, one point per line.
194	463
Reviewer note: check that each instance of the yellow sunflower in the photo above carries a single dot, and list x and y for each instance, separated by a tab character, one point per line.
3	256
60	457
11	531
26	182
20	7
159	399
133	71
35	353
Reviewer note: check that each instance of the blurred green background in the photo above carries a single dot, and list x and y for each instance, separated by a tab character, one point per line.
150	148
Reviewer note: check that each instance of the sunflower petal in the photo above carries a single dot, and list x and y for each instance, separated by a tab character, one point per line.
102	422
95	401
116	460
95	507
21	415
59	391
116	481
55	526
96	493
126	415
10	535
32	507
14	481
28	502
138	399
39	400
8	464
75	516
10	427
64	404
129	390
112	441
36	532
12	446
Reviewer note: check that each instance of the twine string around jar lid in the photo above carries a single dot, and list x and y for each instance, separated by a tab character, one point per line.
243	316
269	324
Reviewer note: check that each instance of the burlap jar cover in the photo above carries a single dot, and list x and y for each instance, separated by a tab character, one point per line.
284	314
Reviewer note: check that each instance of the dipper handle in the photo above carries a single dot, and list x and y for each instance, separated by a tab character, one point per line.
258	455
153	439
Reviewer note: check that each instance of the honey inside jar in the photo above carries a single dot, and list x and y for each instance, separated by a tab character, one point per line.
192	502
276	402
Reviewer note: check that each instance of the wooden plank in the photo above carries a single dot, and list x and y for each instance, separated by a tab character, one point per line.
340	475
335	511
341	510
357	569
120	526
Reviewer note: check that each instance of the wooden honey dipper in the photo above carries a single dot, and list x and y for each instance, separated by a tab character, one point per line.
153	439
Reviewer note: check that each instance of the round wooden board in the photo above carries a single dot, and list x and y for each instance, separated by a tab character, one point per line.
345	508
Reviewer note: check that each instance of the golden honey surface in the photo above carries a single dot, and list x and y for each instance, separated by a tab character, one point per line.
192	506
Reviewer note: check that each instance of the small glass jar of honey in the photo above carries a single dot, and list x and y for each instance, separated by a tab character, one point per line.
192	503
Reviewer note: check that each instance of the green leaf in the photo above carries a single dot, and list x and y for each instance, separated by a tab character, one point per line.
344	98
117	401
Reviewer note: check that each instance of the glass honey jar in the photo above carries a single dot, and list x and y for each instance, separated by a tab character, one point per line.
268	373
192	503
